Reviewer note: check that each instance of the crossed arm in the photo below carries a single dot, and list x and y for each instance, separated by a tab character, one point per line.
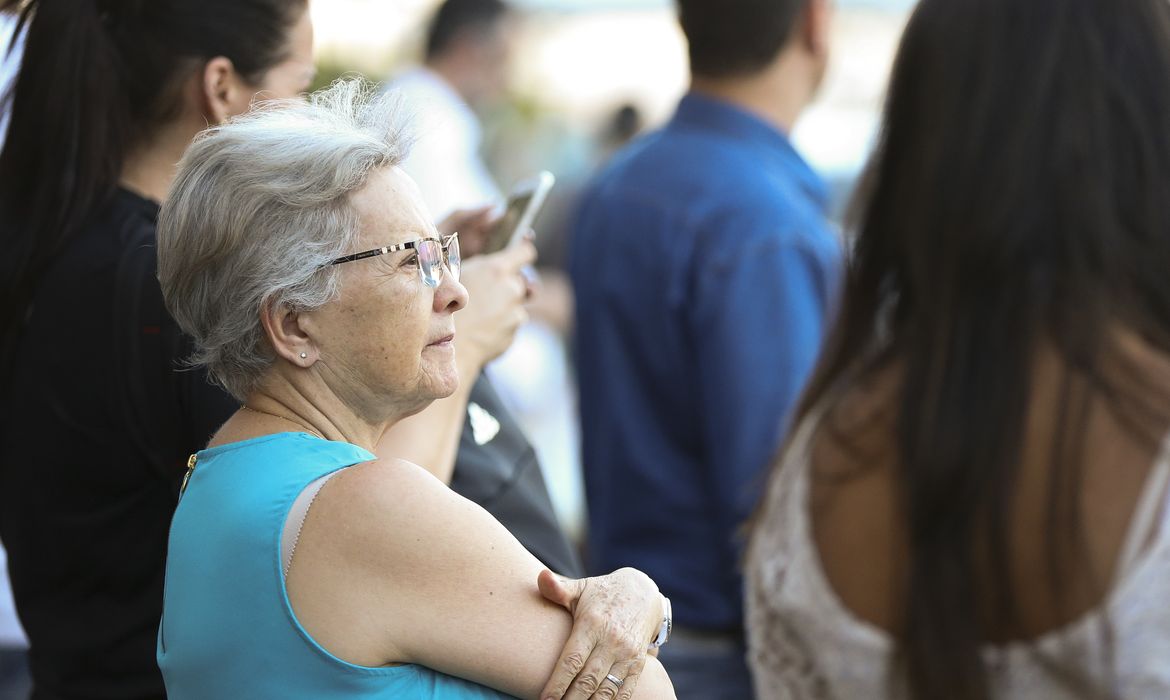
449	589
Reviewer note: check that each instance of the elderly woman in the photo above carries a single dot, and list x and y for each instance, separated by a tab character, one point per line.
301	260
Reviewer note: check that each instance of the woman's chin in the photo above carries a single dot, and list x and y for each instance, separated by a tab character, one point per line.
442	382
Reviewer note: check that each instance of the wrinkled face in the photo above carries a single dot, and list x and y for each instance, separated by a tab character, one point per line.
387	342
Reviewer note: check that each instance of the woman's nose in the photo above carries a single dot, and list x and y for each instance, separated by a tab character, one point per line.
451	294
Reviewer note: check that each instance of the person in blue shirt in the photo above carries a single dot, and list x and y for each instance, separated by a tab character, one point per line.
704	272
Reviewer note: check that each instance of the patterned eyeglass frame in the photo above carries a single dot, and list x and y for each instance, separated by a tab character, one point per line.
444	245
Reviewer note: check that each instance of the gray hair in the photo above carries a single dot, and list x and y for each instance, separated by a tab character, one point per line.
260	204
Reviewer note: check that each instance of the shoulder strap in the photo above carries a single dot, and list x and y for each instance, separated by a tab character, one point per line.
1151	504
291	532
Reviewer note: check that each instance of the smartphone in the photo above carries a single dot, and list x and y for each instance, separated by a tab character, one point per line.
524	203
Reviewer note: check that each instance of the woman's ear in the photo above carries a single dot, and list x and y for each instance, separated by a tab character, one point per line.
289	340
224	92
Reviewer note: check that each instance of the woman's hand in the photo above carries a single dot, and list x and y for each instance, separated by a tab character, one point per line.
615	617
496	290
473	226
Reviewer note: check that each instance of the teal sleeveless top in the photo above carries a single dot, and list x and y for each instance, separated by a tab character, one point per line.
228	629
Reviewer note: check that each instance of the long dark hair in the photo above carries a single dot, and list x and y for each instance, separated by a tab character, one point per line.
1018	199
97	78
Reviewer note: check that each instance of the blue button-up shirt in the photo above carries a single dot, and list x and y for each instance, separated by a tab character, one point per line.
704	270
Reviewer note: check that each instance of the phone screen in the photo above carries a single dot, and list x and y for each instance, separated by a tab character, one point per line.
503	231
523	206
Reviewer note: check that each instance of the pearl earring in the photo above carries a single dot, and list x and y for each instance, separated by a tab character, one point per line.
304	355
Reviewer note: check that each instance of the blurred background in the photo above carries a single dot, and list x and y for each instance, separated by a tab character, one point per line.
576	63
585	76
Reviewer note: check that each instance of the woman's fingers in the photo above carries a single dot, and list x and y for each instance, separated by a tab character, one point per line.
591	681
628	673
570	665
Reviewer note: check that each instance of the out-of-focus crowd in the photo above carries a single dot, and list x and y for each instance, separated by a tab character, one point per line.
279	416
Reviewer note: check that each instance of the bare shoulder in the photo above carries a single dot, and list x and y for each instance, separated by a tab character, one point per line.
392	506
385	481
393	520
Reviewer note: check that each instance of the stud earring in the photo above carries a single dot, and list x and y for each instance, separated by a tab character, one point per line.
304	355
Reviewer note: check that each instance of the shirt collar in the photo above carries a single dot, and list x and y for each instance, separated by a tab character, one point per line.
712	114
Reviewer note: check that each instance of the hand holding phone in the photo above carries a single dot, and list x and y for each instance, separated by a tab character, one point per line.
524	203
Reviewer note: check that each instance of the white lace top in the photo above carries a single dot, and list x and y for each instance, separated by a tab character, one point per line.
805	645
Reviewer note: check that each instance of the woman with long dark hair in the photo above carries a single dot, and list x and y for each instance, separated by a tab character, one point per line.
973	502
96	421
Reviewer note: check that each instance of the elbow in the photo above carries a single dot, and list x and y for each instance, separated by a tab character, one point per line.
654	684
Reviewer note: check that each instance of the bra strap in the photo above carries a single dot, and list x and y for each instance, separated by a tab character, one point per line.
291	534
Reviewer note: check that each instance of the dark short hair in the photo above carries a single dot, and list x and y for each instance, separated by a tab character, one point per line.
736	37
457	16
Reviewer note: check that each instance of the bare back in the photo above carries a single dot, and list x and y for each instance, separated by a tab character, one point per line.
826	567
858	528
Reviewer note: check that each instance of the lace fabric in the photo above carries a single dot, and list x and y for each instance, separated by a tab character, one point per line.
804	644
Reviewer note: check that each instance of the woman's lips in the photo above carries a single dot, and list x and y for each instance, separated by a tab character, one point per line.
445	340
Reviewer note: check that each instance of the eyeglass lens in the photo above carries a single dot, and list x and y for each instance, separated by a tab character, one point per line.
430	260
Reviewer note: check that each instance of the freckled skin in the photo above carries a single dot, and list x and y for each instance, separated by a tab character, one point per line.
376	339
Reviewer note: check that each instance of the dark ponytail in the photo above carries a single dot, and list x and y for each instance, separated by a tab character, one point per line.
64	150
97	78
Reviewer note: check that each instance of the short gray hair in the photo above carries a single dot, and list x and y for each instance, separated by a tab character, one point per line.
260	204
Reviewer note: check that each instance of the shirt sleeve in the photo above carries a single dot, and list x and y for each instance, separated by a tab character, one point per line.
444	159
759	312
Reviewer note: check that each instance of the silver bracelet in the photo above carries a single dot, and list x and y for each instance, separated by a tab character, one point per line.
667	624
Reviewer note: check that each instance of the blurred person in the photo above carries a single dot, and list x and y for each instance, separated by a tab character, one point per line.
96	421
704	270
95	132
525	395
303	262
624	123
975	502
465	64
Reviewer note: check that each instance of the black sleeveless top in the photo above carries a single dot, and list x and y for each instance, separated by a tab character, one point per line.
94	439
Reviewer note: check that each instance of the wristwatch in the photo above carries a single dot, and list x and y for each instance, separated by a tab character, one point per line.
667	623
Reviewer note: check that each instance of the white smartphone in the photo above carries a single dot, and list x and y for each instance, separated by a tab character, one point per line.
524	203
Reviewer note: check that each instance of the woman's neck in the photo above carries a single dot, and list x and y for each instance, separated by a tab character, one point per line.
295	399
150	168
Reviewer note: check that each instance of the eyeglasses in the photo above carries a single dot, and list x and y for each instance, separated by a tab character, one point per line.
433	254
